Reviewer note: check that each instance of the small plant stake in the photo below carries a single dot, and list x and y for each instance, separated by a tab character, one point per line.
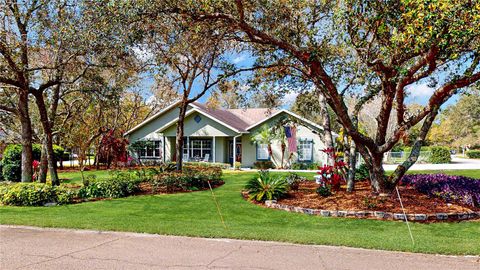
405	216
218	206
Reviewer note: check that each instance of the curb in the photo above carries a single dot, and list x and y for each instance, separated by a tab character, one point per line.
379	215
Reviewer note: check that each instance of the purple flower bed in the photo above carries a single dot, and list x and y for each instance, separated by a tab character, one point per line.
448	187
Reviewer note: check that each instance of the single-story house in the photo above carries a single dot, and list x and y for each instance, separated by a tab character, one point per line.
217	135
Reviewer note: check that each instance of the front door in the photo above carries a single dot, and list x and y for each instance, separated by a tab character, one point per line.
238	156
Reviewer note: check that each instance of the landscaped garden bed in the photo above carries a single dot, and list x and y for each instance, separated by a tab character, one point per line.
123	183
424	197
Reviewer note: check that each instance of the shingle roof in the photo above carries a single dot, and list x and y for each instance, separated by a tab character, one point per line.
240	119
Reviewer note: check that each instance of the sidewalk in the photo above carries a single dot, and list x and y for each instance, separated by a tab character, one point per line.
37	248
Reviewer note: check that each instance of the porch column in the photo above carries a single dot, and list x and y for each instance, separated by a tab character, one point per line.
188	148
234	150
213	151
164	147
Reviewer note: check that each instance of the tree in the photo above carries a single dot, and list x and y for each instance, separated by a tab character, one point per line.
369	48
266	136
44	45
459	124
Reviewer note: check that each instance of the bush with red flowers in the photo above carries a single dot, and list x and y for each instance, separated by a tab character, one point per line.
332	175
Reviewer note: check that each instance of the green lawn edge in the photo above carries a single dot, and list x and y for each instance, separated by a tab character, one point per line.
194	214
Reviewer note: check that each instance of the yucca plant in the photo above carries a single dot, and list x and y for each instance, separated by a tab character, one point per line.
266	187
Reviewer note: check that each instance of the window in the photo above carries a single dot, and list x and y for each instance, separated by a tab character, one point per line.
262	151
305	150
151	150
199	148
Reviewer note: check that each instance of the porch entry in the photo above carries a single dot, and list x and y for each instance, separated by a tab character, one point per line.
238	156
197	149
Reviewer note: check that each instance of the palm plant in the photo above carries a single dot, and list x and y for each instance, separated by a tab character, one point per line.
265	136
266	187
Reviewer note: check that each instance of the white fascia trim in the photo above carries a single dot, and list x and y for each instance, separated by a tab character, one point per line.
152	117
194	109
291	114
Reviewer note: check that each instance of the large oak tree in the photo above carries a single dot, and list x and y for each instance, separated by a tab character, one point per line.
372	49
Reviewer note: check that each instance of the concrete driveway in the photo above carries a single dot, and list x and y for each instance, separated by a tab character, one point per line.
36	248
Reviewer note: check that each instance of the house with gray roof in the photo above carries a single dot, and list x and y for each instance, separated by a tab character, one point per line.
225	136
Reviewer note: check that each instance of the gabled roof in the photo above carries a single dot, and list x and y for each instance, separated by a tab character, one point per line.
238	120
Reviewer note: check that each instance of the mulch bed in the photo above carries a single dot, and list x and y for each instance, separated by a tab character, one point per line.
362	199
147	189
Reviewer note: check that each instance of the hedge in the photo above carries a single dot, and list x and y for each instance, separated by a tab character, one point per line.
34	194
440	155
122	184
12	159
473	154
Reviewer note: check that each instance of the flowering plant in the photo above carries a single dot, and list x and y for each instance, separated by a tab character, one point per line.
450	188
36	169
332	175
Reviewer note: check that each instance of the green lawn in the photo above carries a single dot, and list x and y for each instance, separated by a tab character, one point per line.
194	214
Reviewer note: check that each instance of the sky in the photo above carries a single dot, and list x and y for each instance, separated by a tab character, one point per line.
417	93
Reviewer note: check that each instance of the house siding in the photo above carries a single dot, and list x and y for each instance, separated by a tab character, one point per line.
204	128
149	130
303	132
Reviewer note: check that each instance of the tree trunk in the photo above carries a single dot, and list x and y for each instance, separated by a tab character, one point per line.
43	163
179	136
27	155
401	169
352	163
48	137
378	180
327	129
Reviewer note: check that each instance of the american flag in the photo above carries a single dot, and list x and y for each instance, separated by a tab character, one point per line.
291	134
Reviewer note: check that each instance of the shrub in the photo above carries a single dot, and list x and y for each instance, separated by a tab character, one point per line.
122	184
473	154
1	169
208	164
324	191
13	156
34	194
450	188
266	187
192	178
305	166
293	181
263	165
361	173
12	172
440	155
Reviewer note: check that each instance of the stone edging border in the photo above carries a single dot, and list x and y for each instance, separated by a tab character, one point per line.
374	214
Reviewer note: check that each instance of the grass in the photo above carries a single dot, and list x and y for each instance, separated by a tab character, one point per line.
194	214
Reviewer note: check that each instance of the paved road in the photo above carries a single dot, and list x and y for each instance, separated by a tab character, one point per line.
36	248
457	164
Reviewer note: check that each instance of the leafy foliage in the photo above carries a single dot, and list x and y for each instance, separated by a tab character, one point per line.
305	166
361	173
34	194
12	158
122	184
294	180
191	178
324	191
266	187
263	165
450	188
473	154
113	147
440	155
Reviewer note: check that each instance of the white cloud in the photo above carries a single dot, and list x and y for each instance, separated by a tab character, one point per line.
239	59
289	98
142	53
420	91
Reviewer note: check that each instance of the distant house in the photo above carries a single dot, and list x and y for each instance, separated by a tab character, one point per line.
217	135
